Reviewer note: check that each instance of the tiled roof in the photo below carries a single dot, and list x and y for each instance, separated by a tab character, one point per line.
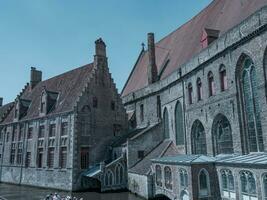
182	44
68	86
143	167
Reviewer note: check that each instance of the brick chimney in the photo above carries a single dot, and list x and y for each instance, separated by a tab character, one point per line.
1	101
100	53
36	77
152	67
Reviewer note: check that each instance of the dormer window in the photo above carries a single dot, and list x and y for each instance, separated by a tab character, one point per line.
21	108
48	101
208	36
43	100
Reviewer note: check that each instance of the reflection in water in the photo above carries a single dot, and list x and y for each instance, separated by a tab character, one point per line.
14	192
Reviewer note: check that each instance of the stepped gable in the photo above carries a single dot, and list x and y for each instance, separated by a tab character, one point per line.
4	109
68	85
185	42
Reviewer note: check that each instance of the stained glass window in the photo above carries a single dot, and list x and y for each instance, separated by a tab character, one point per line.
199	145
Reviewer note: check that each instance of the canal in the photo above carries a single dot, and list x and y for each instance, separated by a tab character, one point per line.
15	192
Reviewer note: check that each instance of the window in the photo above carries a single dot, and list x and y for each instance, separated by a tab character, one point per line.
20	133
112	105
227	185
30	133
183	178
251	106
199	89
28	159
50	157
84	157
41	131
141	112
64	128
109	178
166	123
158	107
14	133
264	181
168	177
43	100
12	155
211	84
40	152
141	154
203	179
158	175
95	102
179	124
199	145
248	185
223	78
63	157
52	130
16	110
190	93
119	174
19	155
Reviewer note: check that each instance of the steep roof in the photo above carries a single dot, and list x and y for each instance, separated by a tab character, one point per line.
182	44
68	85
4	109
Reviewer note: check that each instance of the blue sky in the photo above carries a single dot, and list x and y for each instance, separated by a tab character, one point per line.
58	35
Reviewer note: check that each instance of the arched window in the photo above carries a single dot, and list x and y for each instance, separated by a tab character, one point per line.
211	84
109	178
184	195
223	78
158	175
179	124
222	135
264	181
199	145
250	104
203	183
199	90
183	178
227	184
248	185
190	93
168	177
166	123
119	174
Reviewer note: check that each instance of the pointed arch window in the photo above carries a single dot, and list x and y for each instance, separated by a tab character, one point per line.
223	78
251	106
158	175
168	177
166	123
109	178
227	185
119	174
179	124
203	183
222	135
211	84
190	93
199	90
199	145
183	178
248	186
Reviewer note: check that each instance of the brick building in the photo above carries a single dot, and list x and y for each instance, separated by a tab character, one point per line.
56	129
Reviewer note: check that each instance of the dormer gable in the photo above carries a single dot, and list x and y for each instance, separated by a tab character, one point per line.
208	36
21	108
48	101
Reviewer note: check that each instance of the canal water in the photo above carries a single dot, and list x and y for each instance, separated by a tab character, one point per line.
15	192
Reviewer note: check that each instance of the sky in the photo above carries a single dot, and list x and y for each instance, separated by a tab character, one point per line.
56	36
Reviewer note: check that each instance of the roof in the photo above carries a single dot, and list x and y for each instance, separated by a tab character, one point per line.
4	109
240	160
182	44
143	167
185	159
68	85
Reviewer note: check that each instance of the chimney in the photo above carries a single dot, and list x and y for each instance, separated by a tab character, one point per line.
1	101
100	59
36	77
152	67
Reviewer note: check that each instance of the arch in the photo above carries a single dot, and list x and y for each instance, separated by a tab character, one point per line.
227	184
264	186
199	89
168	177
222	135
248	185
109	178
223	77
203	183
158	175
184	195
249	106
190	93
183	178
166	123
198	135
211	84
179	124
119	174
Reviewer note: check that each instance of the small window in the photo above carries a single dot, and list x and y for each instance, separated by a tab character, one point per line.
40	157
12	155
223	78
211	84
30	133
84	157
50	157
64	128
63	157
41	131
14	133
141	112
227	184
43	101
203	179
52	130
158	175
112	105
28	159
20	133
141	154
95	102
190	93
183	178
168	177
19	156
199	89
